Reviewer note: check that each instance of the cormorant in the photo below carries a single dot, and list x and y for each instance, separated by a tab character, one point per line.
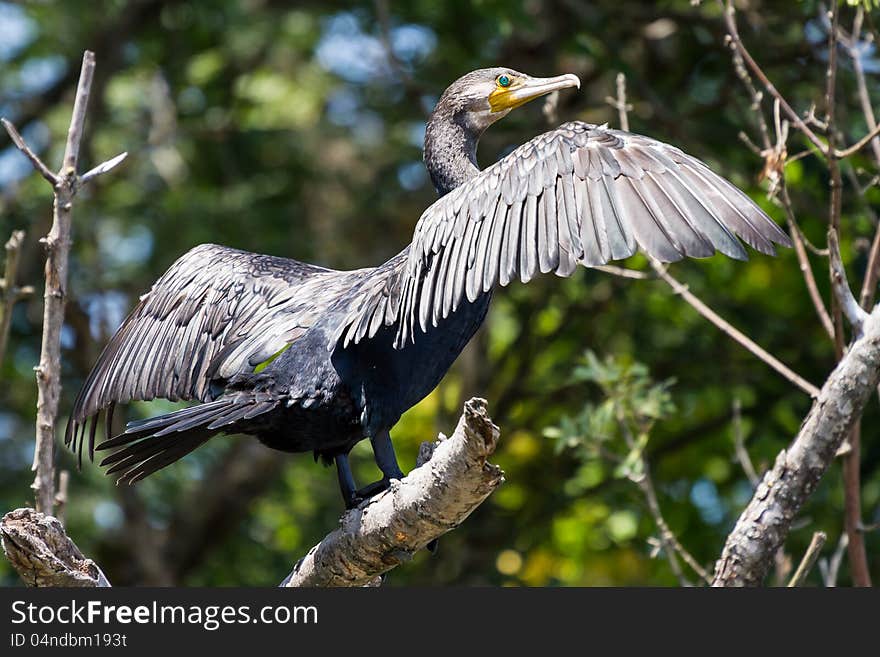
312	359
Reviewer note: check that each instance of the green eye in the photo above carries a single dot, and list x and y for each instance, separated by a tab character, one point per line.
503	81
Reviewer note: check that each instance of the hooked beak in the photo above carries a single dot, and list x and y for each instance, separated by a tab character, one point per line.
522	91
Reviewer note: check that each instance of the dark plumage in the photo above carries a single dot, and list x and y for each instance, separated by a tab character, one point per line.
312	359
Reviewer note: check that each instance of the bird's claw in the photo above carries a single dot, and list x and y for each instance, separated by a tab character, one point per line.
361	495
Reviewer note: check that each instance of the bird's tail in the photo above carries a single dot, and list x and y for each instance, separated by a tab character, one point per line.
150	445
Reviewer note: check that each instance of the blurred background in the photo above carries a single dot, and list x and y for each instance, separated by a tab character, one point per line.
296	129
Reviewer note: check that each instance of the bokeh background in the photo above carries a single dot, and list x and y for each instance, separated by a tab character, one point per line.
295	129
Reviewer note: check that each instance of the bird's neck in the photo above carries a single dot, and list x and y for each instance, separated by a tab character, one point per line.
450	151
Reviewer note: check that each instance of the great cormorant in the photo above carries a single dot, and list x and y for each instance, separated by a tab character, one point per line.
312	359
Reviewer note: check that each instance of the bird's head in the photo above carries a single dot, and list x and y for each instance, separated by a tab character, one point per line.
481	97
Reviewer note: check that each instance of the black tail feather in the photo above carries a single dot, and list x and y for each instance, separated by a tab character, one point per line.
151	444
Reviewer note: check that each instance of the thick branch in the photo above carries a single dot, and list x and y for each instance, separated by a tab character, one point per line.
765	523
41	552
432	499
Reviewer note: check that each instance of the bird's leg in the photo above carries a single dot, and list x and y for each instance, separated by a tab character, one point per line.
386	460
346	481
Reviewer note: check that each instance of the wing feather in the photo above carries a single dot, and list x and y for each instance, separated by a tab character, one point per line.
579	194
208	315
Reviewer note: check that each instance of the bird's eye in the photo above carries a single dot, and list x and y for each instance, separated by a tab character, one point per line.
503	81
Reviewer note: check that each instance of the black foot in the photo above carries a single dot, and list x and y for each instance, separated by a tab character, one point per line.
368	491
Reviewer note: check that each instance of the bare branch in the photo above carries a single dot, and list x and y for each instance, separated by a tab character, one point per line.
61	495
859	145
432	499
102	168
11	293
623	272
736	42
809	560
797	237
855	315
830	568
764	524
39	549
671	545
78	118
619	103
742	454
57	244
37	163
861	82
736	334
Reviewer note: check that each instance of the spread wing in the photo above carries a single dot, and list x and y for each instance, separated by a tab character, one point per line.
580	194
215	313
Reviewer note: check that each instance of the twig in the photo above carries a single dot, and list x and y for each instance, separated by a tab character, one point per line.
742	454
623	272
61	495
619	103
57	243
12	294
781	560
734	333
804	261
765	522
859	145
831	567
852	461
432	499
670	544
667	536
809	560
855	315
102	168
37	163
861	82
729	13
775	159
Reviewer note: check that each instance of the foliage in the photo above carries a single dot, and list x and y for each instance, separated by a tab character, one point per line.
289	130
619	425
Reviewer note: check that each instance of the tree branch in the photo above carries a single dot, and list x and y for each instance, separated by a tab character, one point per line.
736	334
764	524
11	293
57	243
736	43
39	549
432	499
36	162
809	560
855	315
452	479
